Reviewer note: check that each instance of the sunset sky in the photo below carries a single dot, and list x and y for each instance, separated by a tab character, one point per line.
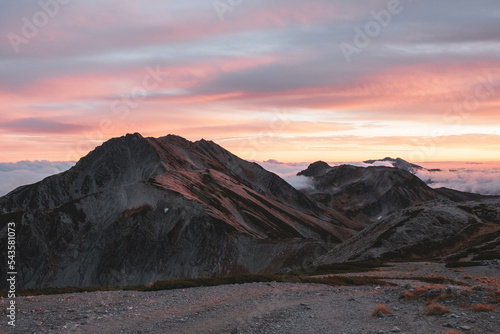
287	80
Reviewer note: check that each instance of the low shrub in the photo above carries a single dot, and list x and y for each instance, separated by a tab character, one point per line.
436	309
380	309
184	283
478	307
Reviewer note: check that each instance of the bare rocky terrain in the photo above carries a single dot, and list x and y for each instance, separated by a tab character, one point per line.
280	307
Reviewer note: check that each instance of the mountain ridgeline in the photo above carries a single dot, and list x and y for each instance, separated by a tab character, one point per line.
136	210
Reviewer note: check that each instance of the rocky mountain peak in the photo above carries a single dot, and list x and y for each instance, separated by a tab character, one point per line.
136	210
398	163
315	169
367	193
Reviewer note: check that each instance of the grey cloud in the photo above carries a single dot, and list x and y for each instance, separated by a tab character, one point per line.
37	125
13	175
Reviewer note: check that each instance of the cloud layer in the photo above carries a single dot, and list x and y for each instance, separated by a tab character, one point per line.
479	178
13	175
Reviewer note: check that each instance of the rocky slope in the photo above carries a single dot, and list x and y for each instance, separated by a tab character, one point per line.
437	230
368	194
407	220
136	210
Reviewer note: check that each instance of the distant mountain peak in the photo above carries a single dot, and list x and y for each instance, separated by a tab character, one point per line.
274	161
315	169
398	163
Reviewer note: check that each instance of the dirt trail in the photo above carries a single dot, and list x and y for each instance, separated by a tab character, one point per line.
267	308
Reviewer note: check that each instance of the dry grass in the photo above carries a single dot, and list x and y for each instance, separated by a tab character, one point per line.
435	309
483	308
409	295
382	309
478	307
417	292
184	283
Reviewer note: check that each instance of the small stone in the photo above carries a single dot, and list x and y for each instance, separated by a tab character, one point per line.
464	327
395	329
380	315
234	331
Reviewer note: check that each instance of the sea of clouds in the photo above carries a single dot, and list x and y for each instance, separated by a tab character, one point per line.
481	178
480	181
13	175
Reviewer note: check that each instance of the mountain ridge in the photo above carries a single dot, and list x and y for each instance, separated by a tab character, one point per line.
136	210
140	209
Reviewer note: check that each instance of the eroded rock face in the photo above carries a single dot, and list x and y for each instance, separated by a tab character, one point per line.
136	210
435	230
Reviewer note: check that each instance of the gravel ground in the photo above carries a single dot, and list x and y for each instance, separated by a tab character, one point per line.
268	308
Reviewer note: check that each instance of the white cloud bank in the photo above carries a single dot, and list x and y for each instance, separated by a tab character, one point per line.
478	178
13	175
481	179
288	172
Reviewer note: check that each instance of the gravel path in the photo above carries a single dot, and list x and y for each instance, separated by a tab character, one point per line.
265	308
